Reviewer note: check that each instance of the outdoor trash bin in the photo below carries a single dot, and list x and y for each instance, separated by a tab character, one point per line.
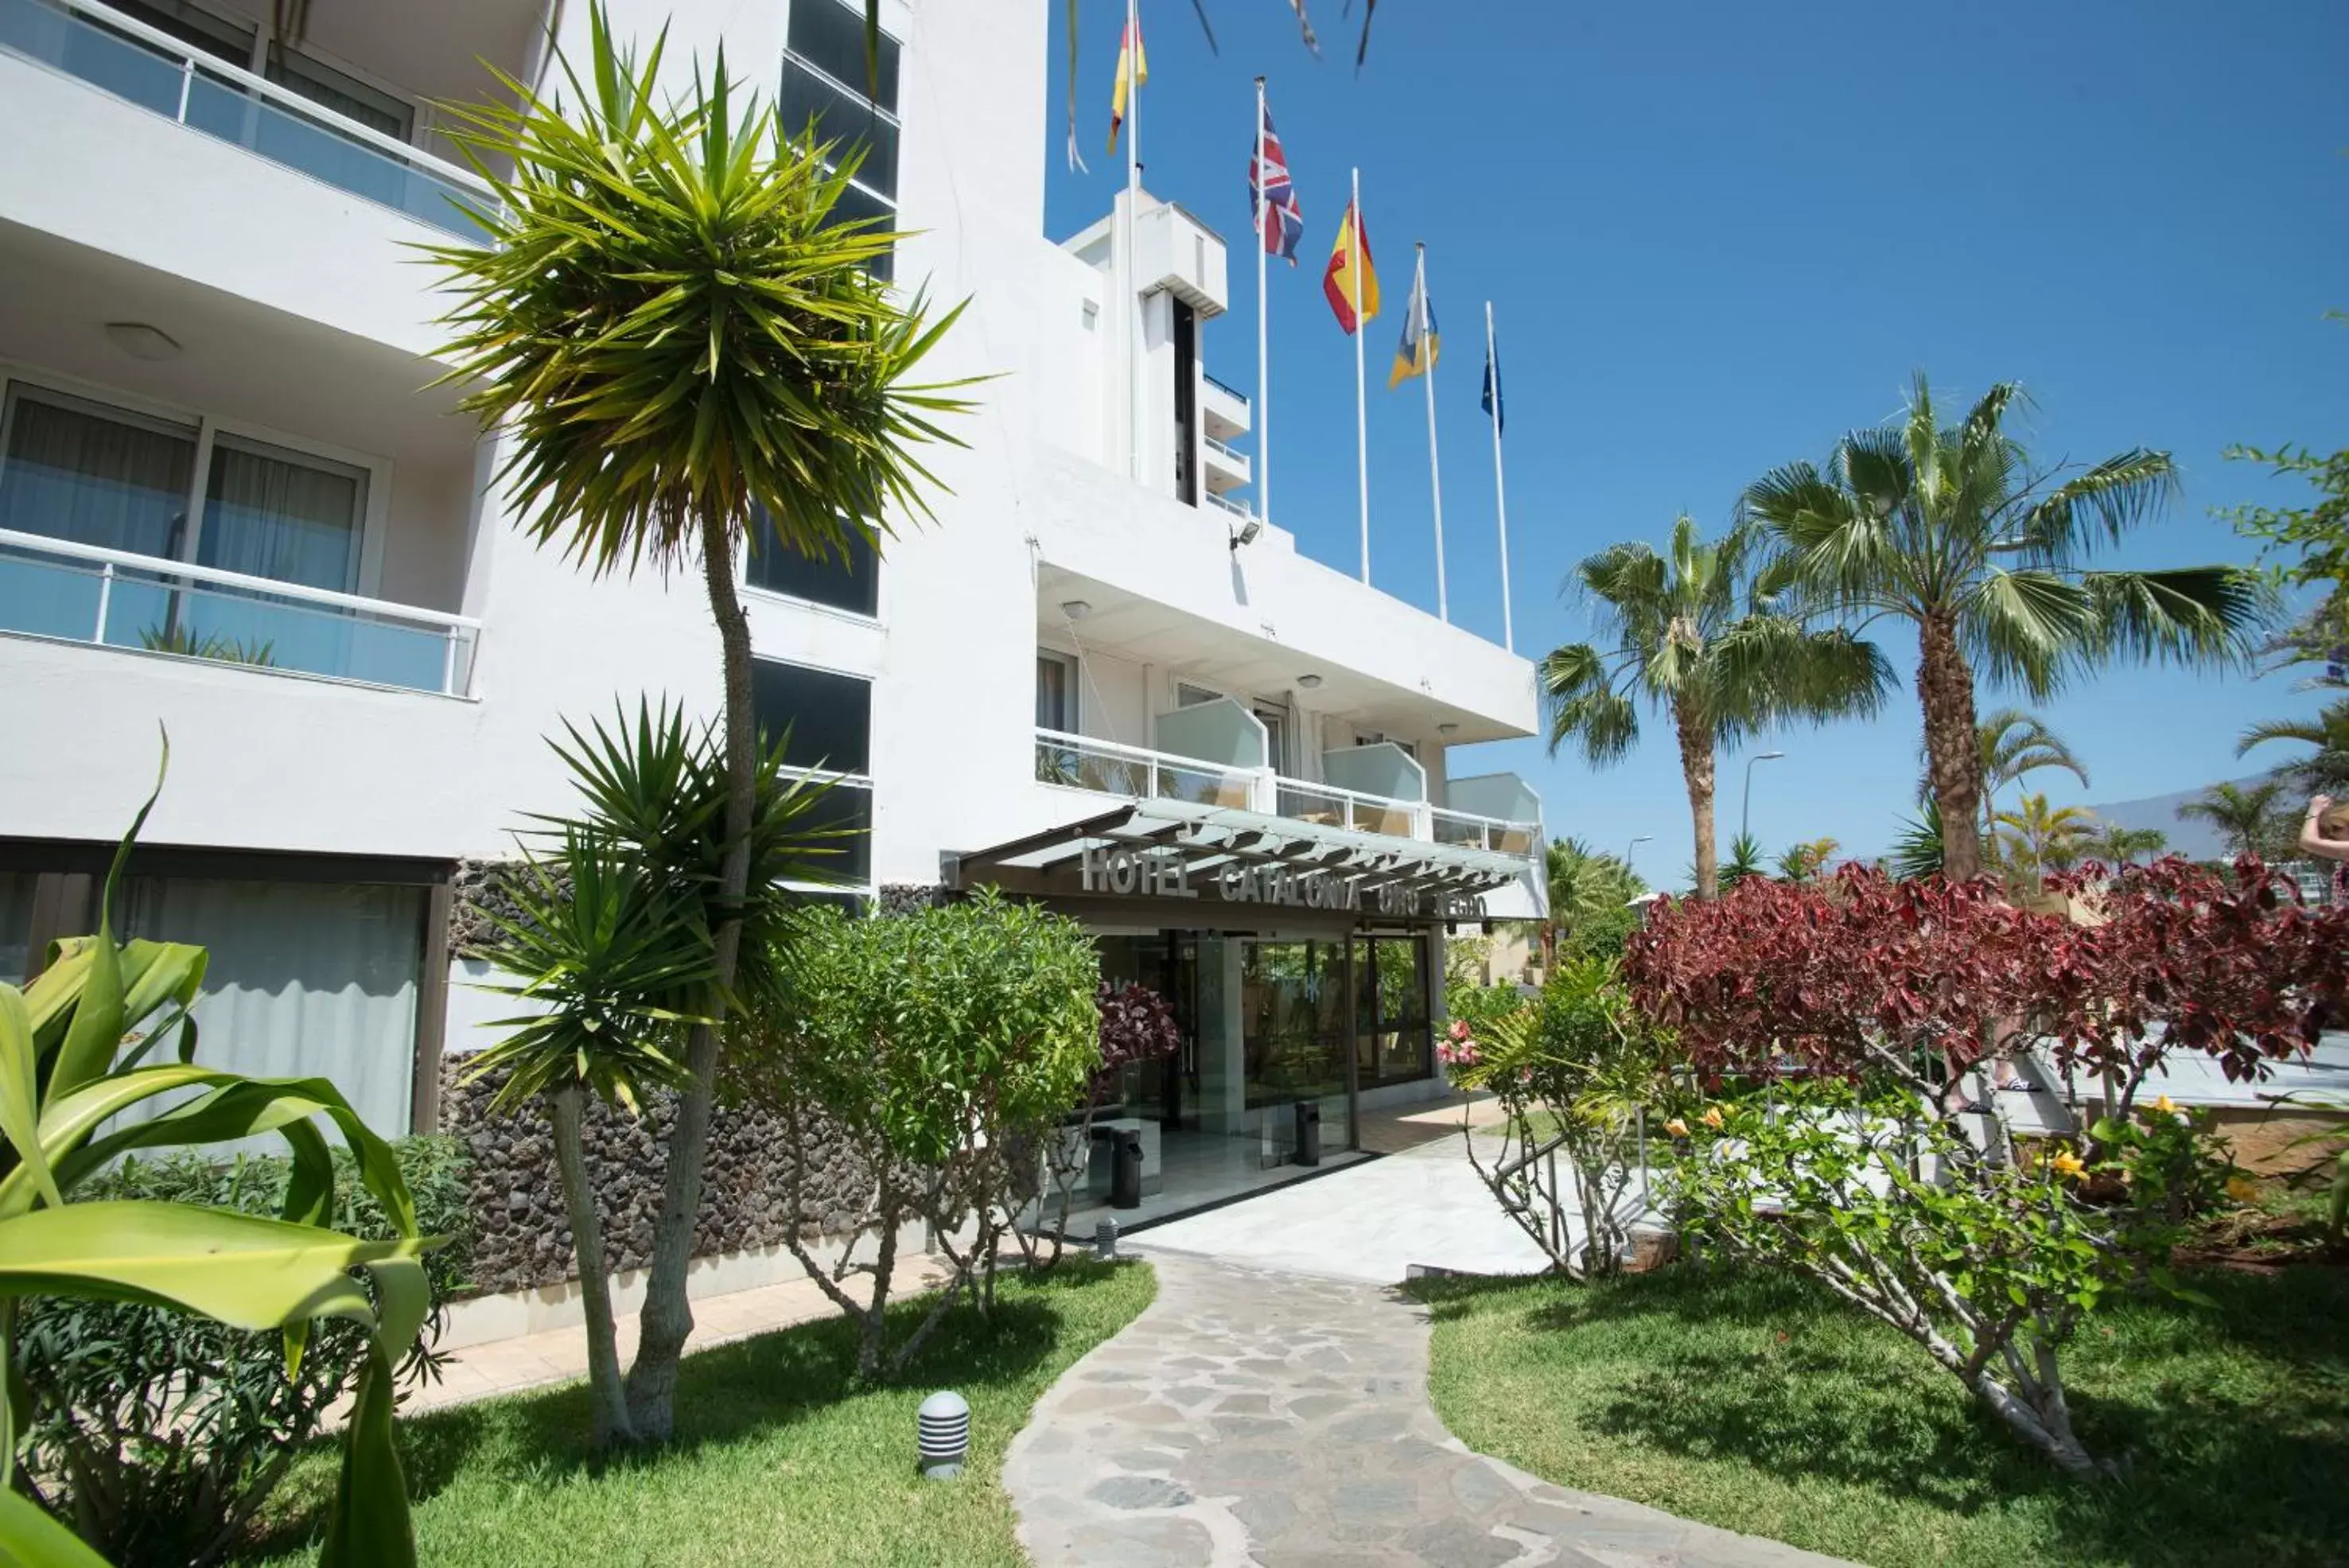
1124	1165
1309	1132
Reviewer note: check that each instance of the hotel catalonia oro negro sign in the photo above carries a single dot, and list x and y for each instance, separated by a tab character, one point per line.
1161	873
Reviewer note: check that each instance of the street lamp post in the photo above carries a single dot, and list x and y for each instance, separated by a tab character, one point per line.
1644	838
1746	812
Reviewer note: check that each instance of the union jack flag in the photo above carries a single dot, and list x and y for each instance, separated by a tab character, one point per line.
1286	224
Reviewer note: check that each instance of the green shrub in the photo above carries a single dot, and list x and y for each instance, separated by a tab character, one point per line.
156	1435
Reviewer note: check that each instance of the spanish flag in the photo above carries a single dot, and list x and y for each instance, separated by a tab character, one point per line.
1132	70
1338	284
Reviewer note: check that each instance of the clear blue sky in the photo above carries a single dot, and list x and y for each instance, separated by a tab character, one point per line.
1718	236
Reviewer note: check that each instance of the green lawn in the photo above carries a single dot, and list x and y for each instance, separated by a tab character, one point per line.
1764	1405
778	1460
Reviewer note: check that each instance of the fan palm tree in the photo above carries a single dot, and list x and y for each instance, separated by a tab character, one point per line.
672	335
2246	815
1681	635
1955	529
2014	745
2324	769
2037	838
2122	845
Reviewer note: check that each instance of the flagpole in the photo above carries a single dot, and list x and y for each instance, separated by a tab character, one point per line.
1263	358
1434	474
1361	424
1132	304
1500	486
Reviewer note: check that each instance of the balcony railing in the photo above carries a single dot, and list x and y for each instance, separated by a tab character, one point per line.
1473	832
1226	388
1105	767
1135	773
123	55
1237	508
1224	447
84	593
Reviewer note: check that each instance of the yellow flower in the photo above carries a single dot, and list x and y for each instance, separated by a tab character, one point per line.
2242	1189
1677	1127
1711	1117
2166	1106
2068	1164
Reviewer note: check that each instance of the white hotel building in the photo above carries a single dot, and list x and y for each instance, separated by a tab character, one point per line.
228	505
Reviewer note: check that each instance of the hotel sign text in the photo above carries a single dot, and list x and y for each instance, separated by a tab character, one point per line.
1153	873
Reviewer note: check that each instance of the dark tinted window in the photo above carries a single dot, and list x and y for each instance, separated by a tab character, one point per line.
843	814
846	119
191	24
853	584
829	35
828	717
854	204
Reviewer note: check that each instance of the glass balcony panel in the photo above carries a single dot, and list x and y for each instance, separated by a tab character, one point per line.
98	56
47	597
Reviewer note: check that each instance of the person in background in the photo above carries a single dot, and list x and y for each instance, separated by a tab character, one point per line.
2324	833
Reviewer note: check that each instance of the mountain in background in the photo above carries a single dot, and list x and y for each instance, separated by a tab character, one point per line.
2195	839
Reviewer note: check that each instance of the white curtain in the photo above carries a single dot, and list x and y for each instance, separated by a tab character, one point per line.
271	517
72	473
303	980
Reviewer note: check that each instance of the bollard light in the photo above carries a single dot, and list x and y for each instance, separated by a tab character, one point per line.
1105	1240
945	1436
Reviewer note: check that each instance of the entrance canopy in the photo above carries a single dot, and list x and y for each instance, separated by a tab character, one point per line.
1175	851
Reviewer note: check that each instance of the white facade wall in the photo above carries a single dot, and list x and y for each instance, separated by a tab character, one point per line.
303	309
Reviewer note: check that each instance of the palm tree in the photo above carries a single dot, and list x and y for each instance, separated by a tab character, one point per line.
1807	861
2014	744
672	336
2122	845
1956	530
1585	885
1685	638
2246	817
2037	839
2323	771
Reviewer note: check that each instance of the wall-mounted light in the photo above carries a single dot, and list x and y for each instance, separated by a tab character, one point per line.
1447	730
1308	682
142	341
1076	609
1245	533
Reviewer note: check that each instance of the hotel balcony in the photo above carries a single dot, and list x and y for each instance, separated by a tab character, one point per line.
1228	468
194	143
1229	413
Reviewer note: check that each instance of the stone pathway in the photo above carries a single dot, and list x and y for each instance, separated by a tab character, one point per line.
1252	1418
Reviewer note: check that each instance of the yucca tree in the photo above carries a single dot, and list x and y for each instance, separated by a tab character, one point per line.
671	331
1681	636
2324	769
2037	838
1745	860
1916	854
2247	816
1955	529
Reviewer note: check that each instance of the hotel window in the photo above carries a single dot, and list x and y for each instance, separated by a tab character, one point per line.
1056	692
825	77
1392	1038
824	721
93	475
850	581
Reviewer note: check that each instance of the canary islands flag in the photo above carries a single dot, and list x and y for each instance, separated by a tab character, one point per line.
1339	286
1132	70
1416	354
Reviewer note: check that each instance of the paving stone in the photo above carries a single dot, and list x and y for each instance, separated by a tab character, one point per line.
1258	1419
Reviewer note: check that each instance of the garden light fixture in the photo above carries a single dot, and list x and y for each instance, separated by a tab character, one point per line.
945	1434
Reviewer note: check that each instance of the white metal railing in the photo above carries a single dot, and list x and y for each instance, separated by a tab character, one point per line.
116	598
1237	508
1226	389
123	55
1470	830
1217	443
1331	806
1108	767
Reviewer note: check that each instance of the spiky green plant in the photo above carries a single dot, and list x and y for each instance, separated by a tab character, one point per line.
672	330
2250	818
1956	529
